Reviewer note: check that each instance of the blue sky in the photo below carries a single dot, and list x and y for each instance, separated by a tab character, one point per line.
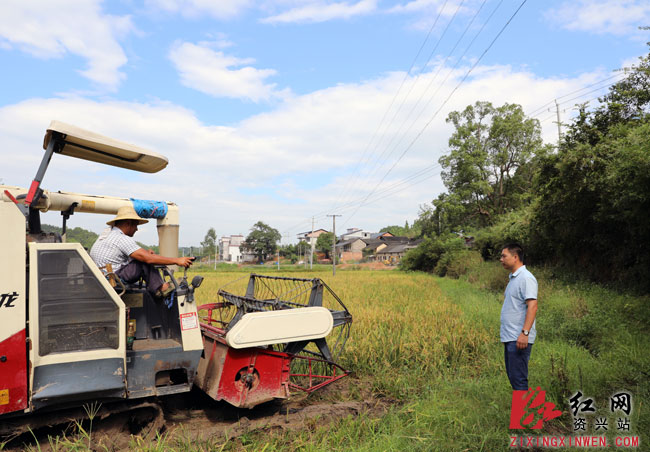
273	110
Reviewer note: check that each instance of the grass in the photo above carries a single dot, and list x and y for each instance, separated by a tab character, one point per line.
432	345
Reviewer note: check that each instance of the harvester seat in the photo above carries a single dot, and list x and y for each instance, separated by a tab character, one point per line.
113	279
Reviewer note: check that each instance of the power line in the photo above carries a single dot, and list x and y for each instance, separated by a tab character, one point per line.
387	189
390	190
381	160
396	95
543	107
381	194
421	112
577	97
443	104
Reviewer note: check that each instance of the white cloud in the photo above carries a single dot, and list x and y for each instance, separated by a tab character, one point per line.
49	29
219	9
220	75
322	11
427	12
282	166
431	6
618	17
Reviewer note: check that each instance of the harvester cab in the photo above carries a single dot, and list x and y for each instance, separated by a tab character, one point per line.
63	327
68	336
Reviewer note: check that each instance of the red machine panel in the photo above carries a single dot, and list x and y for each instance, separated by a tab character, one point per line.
13	373
252	376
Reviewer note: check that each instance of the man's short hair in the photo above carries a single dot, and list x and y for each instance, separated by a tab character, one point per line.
515	248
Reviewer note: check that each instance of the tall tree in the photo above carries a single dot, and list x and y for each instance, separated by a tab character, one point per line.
262	240
324	243
209	243
488	149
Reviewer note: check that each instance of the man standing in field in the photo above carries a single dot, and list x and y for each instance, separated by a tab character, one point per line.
518	316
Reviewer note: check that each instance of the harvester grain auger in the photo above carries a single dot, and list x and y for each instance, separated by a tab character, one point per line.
64	327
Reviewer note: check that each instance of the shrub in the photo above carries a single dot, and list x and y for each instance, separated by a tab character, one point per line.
489	275
513	227
457	263
426	256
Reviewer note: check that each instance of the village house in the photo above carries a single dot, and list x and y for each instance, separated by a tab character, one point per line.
350	249
392	254
380	246
311	236
230	248
356	244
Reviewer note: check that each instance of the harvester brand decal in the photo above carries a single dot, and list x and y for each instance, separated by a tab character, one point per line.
87	205
189	321
4	397
7	300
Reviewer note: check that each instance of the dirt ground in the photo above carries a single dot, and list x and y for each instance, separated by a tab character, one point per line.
196	416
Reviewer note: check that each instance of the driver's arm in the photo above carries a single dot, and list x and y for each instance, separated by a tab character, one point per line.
148	257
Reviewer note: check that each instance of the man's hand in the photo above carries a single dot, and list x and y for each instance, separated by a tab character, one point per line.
522	341
184	261
149	257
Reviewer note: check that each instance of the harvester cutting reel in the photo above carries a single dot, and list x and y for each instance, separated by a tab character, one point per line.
290	327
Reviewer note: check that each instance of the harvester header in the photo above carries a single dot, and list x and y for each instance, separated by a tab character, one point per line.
73	333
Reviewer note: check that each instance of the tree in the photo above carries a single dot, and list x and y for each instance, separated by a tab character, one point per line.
594	193
484	170
209	243
291	252
85	237
324	243
402	231
262	240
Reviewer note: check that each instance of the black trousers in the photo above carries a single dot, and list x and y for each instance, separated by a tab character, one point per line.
134	270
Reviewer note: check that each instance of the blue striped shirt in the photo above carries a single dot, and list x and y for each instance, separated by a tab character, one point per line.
522	287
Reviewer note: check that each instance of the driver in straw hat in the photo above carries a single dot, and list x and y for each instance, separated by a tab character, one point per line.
129	261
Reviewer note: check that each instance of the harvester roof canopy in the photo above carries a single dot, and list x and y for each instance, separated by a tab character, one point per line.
80	143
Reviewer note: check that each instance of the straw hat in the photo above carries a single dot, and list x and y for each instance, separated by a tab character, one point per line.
126	213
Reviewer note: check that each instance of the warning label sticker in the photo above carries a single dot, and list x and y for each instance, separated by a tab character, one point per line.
189	321
4	397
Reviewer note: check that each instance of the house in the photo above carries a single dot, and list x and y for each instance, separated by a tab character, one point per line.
360	233
376	246
230	248
350	249
311	236
393	253
389	249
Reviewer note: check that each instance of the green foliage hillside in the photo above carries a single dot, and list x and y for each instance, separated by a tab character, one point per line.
85	237
80	235
582	206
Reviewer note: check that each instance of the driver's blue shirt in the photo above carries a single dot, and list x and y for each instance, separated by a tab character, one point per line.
522	287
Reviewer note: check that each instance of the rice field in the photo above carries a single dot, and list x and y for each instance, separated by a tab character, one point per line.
427	349
432	345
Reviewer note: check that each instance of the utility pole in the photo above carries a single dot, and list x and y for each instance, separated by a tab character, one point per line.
312	243
334	243
559	124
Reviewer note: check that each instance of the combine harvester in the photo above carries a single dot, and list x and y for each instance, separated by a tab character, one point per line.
70	336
